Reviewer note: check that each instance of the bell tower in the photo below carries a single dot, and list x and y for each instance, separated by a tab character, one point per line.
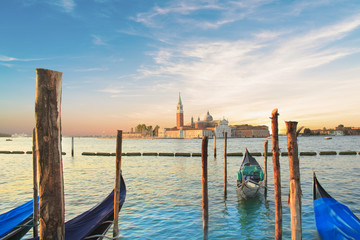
179	114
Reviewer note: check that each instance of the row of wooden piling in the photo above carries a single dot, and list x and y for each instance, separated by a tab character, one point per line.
180	154
294	168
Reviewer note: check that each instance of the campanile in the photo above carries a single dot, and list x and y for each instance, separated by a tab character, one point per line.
179	114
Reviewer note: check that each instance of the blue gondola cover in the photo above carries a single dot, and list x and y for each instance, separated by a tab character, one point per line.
14	217
333	219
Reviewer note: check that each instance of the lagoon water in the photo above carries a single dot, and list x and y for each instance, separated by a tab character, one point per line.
164	196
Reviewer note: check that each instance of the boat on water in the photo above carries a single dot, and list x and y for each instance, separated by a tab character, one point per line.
333	219
91	225
15	223
250	177
327	138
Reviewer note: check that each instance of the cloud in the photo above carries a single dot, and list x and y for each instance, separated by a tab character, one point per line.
97	40
229	73
193	13
7	59
110	90
91	69
66	5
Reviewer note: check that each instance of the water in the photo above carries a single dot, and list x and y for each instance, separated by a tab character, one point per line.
164	196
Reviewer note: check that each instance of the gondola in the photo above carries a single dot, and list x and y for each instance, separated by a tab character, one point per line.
249	178
15	223
333	219
94	223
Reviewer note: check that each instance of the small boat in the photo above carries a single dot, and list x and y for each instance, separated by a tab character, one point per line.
250	177
15	223
333	219
8	140
327	138
91	225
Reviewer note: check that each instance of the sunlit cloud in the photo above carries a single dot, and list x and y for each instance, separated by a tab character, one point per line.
229	73
110	90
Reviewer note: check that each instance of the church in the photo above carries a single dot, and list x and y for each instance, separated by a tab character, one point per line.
206	127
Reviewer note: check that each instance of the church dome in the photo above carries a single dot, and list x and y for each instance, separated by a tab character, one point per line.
208	117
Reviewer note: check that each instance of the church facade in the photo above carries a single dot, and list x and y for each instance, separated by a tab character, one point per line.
206	127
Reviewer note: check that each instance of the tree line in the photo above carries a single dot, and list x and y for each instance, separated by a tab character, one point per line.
147	130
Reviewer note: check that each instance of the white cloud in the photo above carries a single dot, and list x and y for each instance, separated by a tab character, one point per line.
66	5
97	40
231	73
110	90
7	59
91	69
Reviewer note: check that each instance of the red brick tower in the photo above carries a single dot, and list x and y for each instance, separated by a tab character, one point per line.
179	114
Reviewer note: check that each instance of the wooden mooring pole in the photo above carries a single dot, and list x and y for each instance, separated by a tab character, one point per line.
36	189
225	164
205	198
295	187
214	146
117	183
276	167
72	146
265	167
48	151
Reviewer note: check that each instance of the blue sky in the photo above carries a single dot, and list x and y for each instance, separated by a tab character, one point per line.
125	62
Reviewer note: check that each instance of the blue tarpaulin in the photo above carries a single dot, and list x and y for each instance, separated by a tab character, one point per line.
14	217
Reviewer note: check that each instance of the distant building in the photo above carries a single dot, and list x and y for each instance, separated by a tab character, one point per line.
209	127
250	131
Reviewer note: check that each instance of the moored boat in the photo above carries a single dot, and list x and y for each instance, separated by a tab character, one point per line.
249	178
15	223
333	219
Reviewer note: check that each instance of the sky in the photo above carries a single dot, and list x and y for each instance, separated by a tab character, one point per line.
125	62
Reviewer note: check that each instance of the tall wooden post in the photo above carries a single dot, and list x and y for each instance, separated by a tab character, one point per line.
72	146
265	167
214	146
205	198
225	164
36	189
276	167
48	149
295	187
117	183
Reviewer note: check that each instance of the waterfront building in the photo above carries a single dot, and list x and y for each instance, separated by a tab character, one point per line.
206	127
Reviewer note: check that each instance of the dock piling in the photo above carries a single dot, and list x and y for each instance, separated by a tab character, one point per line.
36	189
265	167
205	198
295	187
225	164
277	178
48	154
117	183
214	146
72	146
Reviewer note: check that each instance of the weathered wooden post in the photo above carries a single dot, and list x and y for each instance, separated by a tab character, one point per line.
48	151
205	198
117	183
295	187
276	167
36	189
265	167
225	164
72	146
214	146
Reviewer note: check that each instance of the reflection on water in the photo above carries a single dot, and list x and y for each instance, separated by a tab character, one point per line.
164	193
